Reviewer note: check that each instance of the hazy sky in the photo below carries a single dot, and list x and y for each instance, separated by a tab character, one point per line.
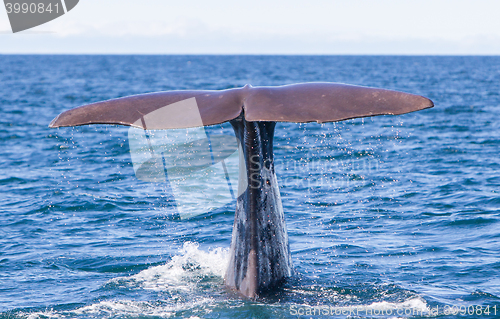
265	27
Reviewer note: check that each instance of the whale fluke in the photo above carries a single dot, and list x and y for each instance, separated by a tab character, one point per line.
306	102
259	256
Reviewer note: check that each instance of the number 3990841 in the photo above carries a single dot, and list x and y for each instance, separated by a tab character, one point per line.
31	7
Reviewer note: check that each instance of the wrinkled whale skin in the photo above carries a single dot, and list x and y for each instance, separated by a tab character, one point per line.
260	255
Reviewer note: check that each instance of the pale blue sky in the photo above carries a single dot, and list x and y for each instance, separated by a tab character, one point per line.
265	27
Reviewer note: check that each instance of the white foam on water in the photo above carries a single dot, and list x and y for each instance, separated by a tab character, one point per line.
124	308
408	308
416	304
48	314
113	309
183	271
181	276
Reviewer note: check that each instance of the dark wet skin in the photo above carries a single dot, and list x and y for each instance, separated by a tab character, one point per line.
260	256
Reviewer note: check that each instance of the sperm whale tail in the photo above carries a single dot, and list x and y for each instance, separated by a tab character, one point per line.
260	255
306	102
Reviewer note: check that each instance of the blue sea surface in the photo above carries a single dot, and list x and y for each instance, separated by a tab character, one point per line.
388	216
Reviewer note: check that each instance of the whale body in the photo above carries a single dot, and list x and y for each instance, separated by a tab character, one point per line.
260	255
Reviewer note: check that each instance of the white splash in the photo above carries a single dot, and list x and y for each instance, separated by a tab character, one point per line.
183	271
181	274
408	308
113	309
48	314
416	304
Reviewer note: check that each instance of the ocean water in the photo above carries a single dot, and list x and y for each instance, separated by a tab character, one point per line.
388	217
